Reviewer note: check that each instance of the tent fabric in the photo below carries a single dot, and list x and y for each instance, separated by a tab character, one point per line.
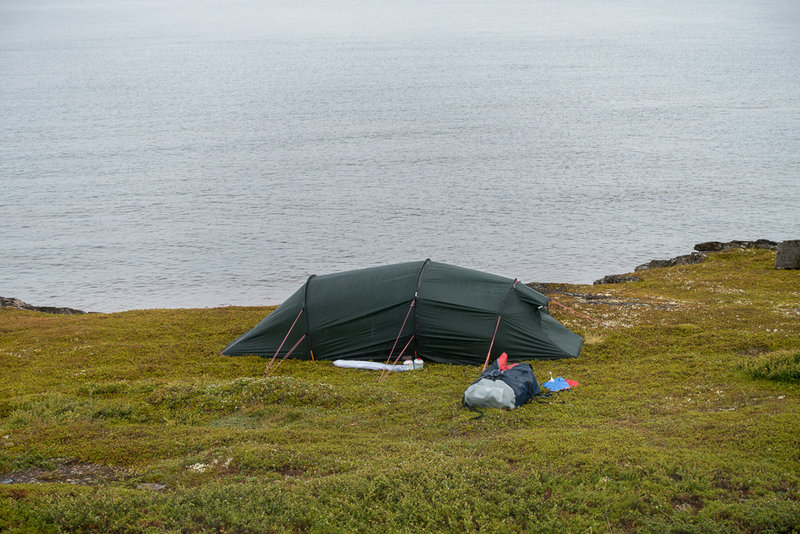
450	316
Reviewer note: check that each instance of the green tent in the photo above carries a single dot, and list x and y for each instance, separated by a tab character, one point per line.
442	313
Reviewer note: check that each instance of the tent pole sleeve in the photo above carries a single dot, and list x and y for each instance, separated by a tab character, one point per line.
308	328
416	297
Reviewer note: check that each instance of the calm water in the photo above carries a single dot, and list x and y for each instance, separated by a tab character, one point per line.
207	152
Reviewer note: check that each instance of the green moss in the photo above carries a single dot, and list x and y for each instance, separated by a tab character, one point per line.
673	428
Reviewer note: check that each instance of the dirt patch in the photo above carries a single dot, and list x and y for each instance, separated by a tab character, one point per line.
595	298
66	471
687	502
288	471
755	350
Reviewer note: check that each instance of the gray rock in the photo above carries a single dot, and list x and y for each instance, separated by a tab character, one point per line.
617	279
686	259
788	256
711	246
545	288
19	305
718	246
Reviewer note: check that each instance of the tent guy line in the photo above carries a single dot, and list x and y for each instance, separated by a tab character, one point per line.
400	333
385	373
284	341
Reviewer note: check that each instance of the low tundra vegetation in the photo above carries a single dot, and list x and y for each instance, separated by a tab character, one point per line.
686	419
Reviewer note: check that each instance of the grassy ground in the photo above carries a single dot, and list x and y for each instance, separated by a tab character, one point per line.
132	422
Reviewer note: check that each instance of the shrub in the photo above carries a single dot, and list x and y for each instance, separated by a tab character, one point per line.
782	365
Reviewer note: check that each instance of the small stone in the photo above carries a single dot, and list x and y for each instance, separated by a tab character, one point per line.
788	256
151	486
7	481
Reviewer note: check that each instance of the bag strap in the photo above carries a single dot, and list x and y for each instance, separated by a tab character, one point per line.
472	409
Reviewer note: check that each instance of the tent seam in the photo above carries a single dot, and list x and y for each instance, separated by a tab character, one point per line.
305	307
415	301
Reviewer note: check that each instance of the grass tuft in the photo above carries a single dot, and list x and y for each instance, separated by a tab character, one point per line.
781	366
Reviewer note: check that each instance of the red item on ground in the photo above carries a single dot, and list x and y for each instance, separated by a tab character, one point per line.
502	361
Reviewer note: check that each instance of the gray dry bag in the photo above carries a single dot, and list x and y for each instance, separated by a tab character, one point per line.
502	387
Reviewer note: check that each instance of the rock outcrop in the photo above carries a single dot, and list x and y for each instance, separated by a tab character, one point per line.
19	305
686	259
788	256
717	246
700	254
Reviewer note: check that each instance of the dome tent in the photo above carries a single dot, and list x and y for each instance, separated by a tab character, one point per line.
443	313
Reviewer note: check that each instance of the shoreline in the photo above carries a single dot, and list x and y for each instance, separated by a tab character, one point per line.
701	250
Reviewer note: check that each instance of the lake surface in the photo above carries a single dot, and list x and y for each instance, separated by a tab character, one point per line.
207	152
